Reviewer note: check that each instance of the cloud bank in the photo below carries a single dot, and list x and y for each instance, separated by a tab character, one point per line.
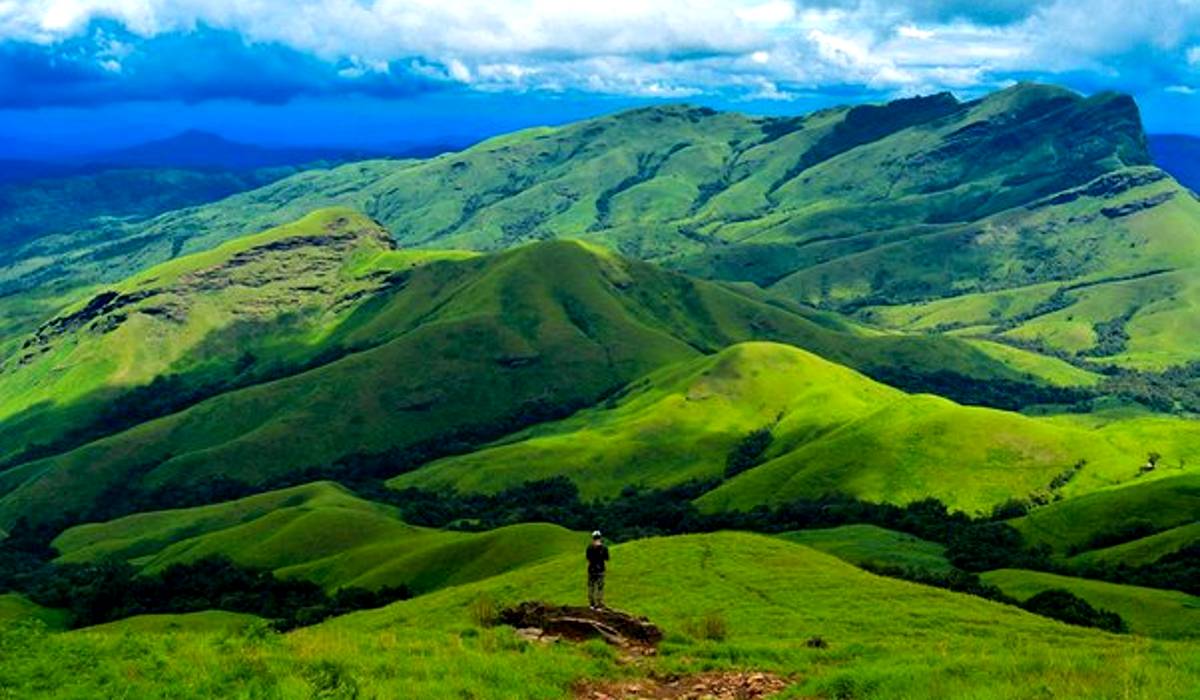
75	52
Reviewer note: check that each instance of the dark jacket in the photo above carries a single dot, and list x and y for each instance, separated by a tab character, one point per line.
597	555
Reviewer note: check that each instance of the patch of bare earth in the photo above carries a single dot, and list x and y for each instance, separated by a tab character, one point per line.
724	685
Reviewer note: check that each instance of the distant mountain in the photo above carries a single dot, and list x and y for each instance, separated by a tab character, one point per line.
196	149
1021	217
1179	155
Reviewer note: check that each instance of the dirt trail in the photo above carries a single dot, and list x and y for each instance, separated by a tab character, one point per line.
746	685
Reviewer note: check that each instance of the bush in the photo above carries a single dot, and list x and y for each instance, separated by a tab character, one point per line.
748	453
1067	607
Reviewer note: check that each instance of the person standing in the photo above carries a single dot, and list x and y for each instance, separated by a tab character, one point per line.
597	559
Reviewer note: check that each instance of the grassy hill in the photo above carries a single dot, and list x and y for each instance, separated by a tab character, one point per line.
885	206
1162	503
1148	611
487	344
868	544
15	608
886	638
831	430
318	532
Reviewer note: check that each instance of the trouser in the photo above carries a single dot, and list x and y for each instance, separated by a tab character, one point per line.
596	590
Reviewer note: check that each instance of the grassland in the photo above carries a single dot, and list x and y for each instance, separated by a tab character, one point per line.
871	545
16	609
887	639
832	431
500	340
1166	502
1147	611
317	532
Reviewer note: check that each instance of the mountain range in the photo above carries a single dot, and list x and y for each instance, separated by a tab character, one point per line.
963	332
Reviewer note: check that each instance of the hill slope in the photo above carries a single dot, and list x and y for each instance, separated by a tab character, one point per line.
319	532
483	345
886	638
831	430
843	207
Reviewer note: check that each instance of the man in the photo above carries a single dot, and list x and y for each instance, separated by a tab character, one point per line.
597	559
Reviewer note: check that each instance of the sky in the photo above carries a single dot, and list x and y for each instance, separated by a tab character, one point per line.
79	75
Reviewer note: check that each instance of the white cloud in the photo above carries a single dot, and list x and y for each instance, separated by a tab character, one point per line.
675	47
1181	89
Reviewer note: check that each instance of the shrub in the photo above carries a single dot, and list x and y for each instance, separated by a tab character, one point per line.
484	611
710	626
1067	607
748	453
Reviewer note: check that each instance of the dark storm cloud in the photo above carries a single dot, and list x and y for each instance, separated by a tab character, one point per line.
109	65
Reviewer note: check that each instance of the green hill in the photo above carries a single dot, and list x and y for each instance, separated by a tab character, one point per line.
1034	195
831	430
487	344
876	546
1161	503
1148	611
677	424
319	532
1144	550
15	608
886	638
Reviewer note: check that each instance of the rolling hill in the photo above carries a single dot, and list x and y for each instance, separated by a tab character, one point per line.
885	638
988	212
318	532
487	344
831	429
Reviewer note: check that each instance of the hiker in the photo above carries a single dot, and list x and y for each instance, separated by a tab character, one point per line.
597	558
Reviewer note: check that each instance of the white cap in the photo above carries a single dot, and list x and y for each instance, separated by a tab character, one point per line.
595	534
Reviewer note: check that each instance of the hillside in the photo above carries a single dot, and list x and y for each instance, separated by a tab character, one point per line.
208	317
1154	613
318	532
886	638
846	207
831	430
502	341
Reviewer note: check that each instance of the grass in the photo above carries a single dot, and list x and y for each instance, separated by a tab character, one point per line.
1145	550
833	431
887	639
1166	502
318	532
501	339
1147	611
15	608
872	545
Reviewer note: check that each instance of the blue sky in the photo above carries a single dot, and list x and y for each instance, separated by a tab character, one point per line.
85	74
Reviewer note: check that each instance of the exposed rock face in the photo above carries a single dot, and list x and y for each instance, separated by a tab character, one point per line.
580	623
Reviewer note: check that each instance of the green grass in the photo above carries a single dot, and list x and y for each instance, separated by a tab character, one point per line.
876	546
887	639
15	608
318	532
1143	551
1148	611
498	339
1167	501
203	622
833	431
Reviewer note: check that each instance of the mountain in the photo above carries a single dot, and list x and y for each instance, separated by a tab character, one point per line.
318	328
199	150
70	201
1031	217
1178	154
